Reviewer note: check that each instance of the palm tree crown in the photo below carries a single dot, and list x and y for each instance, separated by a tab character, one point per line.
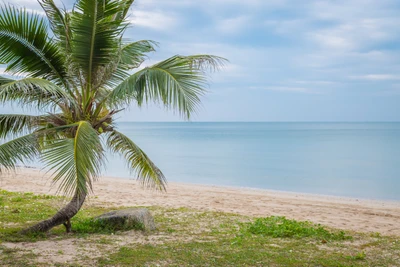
79	71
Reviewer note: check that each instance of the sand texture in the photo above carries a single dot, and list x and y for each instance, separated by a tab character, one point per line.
343	213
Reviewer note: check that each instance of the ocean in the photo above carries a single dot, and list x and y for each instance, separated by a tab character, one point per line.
360	160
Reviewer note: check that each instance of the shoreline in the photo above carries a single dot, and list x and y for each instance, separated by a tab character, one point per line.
362	215
270	191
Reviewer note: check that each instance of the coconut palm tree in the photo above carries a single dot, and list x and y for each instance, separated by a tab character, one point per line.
77	70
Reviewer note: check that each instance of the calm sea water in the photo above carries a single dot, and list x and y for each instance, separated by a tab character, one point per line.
344	159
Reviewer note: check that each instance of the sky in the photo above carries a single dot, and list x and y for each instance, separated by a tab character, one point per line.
289	60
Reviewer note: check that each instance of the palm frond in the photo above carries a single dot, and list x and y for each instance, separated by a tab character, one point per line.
34	91
20	150
133	54
177	82
26	48
96	39
126	6
58	20
137	160
75	162
17	123
26	148
4	80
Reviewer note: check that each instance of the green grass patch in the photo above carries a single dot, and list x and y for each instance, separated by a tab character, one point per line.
277	226
20	210
256	252
14	257
92	226
187	237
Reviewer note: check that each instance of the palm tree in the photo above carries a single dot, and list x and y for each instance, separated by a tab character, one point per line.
78	70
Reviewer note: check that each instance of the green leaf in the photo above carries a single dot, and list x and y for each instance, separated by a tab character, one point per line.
33	91
20	150
26	47
75	162
95	45
58	20
16	123
133	54
126	5
138	161
177	82
4	80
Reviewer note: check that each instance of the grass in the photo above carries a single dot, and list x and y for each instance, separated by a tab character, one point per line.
18	210
185	237
15	257
284	228
91	226
256	252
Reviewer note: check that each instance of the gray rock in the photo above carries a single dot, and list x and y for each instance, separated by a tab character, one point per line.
133	218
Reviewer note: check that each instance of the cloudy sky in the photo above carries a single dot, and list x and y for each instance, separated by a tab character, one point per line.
289	60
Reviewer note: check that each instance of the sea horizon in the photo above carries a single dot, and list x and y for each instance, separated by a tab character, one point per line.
345	159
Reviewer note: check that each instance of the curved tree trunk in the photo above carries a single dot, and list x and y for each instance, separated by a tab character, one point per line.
63	216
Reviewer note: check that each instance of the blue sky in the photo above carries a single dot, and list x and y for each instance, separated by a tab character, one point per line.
298	60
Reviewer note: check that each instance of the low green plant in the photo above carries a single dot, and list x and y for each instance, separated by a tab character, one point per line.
277	226
376	235
358	257
91	225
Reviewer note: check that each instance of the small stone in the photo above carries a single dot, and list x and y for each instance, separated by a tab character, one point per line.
133	218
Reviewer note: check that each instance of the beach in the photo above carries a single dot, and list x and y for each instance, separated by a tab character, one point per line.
359	160
343	213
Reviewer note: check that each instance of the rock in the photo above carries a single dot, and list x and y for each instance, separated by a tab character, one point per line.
133	218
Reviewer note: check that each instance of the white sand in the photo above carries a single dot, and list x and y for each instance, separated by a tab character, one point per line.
338	212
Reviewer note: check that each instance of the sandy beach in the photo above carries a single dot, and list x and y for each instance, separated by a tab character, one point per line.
343	213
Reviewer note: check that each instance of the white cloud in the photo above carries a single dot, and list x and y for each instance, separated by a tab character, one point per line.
377	77
156	20
287	26
355	35
317	82
22	2
233	25
357	24
332	40
293	89
205	4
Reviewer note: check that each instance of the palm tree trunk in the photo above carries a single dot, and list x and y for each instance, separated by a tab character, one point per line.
63	216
